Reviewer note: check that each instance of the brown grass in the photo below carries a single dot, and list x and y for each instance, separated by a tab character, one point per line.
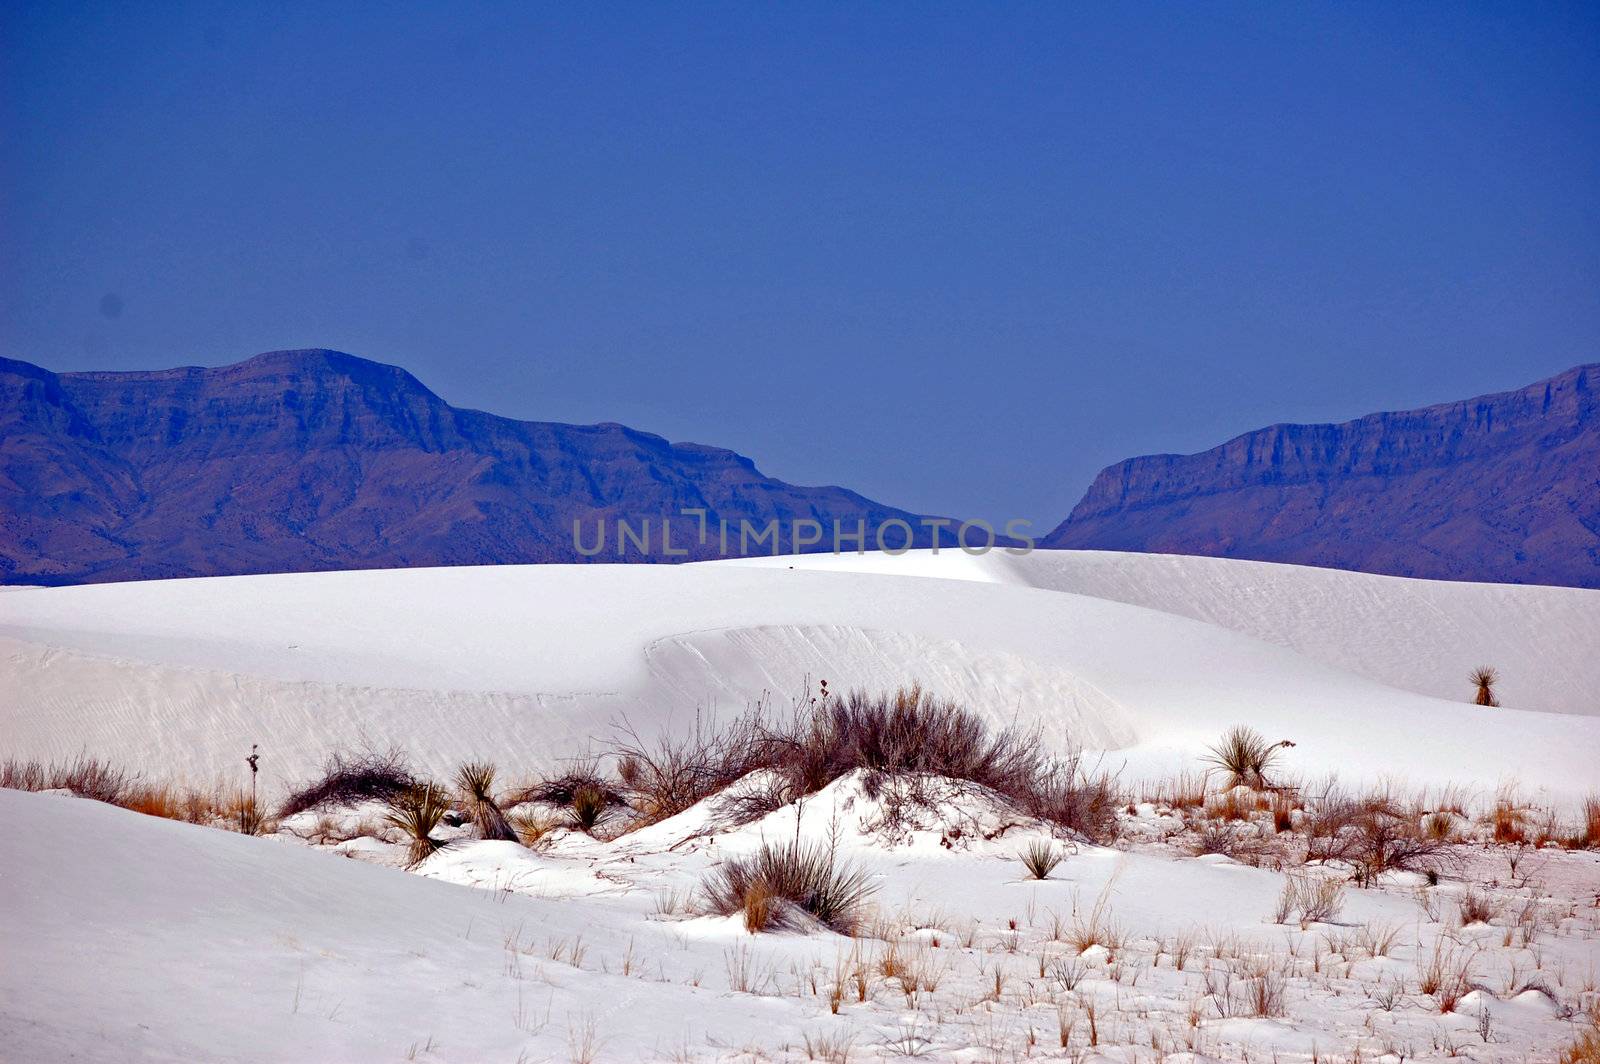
765	885
1585	1048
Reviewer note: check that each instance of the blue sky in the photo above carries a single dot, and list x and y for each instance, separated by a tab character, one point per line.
955	257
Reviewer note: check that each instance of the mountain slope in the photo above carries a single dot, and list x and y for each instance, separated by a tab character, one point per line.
1503	487
311	460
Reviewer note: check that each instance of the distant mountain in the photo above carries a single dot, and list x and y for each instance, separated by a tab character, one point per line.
309	460
1502	488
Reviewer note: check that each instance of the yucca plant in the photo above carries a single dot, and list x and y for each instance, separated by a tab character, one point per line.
417	812
1484	677
588	808
1040	858
1246	758
475	779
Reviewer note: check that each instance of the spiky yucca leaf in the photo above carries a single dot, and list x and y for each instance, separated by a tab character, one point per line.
417	812
1484	677
1040	858
588	808
475	779
1245	757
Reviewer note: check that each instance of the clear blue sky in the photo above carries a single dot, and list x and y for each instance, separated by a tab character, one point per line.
957	258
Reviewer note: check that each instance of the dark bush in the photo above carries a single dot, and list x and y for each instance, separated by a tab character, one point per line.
349	778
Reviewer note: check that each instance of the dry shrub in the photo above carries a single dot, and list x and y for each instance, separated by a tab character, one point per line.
1283	807
903	736
1263	987
1446	973
1375	835
1589	828
670	774
1186	790
1509	820
350	778
89	777
19	775
1585	1049
1478	907
1097	927
1440	826
1235	803
1317	899
760	907
475	779
582	783
807	877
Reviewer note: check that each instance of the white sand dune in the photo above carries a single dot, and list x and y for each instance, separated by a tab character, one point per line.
1146	657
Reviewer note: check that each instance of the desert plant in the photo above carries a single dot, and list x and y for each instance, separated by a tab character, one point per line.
1040	858
1374	835
245	816
1477	907
588	809
1483	678
899	742
1246	758
89	777
1585	1048
1440	825
532	826
805	876
417	812
1589	828
1446	973
475	779
348	778
19	775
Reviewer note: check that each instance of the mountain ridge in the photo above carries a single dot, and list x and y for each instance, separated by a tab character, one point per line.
1500	487
315	459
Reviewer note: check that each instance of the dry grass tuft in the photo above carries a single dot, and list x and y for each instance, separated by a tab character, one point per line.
1446	973
809	878
1585	1049
532	827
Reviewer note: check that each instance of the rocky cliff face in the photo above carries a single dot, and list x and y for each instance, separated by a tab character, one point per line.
1499	488
306	460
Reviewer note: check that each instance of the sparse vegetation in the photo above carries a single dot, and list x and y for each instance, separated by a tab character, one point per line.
351	777
589	809
475	779
809	878
1246	759
417	812
1483	679
1040	858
